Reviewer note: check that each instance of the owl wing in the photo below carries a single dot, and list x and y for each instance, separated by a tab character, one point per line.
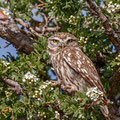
78	61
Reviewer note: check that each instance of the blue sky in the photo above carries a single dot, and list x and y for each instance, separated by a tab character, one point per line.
3	51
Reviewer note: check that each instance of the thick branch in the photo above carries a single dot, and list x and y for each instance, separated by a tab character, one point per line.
10	31
15	86
114	80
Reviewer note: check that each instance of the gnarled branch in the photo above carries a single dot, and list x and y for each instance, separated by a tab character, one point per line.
15	85
20	38
10	31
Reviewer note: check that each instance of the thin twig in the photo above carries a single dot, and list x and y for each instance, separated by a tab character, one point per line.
8	44
38	5
40	31
28	27
41	1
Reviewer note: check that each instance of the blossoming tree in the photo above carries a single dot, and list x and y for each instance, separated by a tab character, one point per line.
26	90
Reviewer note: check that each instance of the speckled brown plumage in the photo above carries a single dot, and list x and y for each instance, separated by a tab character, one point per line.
74	70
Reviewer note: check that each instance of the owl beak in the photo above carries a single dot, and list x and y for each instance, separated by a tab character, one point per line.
63	46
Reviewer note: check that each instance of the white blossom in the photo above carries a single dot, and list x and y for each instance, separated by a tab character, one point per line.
5	63
87	22
50	1
36	91
43	86
111	7
81	116
38	98
52	88
33	96
6	11
39	92
94	94
57	115
72	20
83	40
24	80
29	76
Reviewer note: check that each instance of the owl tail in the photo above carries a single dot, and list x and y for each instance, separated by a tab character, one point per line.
105	111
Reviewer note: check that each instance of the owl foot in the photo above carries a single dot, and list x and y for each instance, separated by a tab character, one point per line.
55	83
67	88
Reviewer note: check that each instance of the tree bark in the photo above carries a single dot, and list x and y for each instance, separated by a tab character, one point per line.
15	86
11	32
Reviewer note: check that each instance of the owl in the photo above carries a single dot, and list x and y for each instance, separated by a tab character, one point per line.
74	70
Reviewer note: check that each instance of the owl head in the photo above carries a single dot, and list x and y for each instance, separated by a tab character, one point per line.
59	41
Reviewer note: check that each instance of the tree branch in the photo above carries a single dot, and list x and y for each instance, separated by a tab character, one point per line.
41	1
31	30
20	38
15	86
10	31
114	37
40	31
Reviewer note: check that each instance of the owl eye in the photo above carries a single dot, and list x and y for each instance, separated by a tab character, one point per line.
69	41
55	41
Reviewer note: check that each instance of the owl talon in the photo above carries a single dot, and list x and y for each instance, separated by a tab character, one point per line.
67	88
55	83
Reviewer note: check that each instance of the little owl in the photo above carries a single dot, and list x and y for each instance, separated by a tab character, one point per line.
74	70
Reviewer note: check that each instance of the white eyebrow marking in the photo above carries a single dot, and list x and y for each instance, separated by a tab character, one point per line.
56	38
68	38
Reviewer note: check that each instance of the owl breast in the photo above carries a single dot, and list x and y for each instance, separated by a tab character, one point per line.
66	74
